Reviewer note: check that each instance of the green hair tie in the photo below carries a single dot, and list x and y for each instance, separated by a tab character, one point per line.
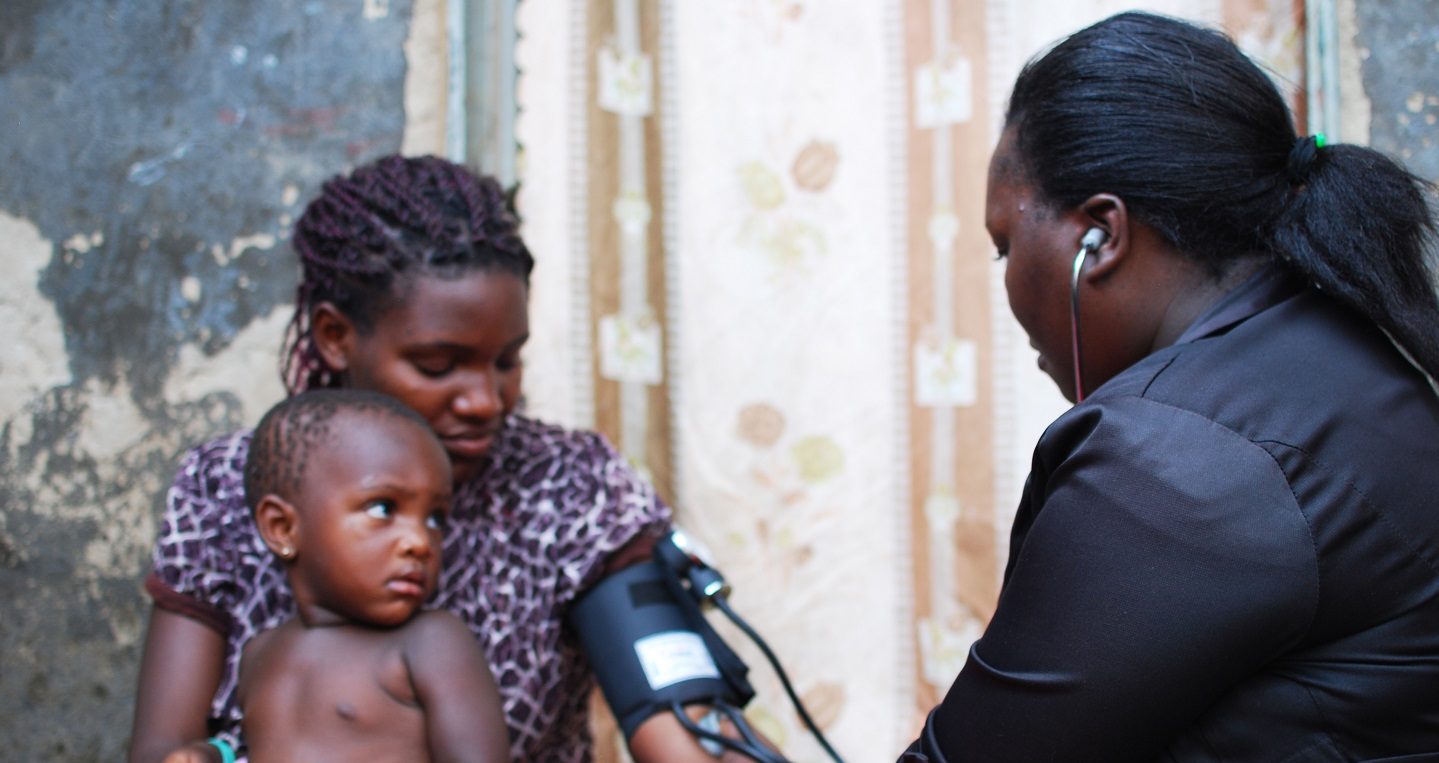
1319	140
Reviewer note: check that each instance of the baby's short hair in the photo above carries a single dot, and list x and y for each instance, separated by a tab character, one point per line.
280	447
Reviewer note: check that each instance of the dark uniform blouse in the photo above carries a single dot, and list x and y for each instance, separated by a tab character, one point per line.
1230	551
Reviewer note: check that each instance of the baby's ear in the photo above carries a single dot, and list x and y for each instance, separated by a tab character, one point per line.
279	525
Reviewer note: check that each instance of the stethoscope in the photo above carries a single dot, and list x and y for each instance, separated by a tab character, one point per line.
1093	239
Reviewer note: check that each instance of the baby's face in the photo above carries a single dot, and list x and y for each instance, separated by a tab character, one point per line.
372	505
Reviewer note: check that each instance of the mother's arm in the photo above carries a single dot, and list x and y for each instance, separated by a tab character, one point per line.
180	671
626	503
660	738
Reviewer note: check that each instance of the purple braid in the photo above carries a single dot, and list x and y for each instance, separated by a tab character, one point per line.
386	222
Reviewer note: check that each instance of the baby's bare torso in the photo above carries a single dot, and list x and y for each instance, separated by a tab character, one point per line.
337	693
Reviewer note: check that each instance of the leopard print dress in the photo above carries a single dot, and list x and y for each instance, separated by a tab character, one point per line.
525	537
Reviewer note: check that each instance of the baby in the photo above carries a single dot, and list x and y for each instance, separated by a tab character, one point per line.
351	489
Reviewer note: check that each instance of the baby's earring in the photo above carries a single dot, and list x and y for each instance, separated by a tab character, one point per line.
286	553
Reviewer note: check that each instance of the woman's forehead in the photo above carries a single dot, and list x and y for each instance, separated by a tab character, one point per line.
477	298
1006	162
1007	192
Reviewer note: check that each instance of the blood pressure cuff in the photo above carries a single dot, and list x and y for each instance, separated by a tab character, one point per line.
649	649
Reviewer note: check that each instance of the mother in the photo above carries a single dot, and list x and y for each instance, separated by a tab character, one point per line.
1229	550
415	284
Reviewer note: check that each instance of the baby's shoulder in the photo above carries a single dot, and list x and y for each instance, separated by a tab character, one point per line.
438	640
270	640
434	625
264	656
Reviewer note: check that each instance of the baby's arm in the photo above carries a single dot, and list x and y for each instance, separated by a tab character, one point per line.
454	686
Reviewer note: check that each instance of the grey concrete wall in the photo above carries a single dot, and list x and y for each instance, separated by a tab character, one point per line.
1398	51
152	157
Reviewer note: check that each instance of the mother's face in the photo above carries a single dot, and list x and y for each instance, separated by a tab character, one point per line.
449	348
1038	244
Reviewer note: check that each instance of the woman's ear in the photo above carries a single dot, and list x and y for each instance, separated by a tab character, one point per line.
1107	213
333	334
279	525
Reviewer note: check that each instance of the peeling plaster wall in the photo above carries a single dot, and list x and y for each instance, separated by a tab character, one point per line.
1398	48
154	156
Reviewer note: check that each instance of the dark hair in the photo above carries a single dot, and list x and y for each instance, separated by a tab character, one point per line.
281	444
1199	144
389	221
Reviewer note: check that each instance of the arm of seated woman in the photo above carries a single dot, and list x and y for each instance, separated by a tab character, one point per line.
179	674
661	737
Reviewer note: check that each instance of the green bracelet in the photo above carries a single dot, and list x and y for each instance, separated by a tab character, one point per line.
227	753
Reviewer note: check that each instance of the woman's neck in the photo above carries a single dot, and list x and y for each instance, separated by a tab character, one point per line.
1198	293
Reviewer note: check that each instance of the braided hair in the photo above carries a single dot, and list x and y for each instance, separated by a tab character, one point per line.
366	235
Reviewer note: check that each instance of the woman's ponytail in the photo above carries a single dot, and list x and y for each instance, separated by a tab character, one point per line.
1361	228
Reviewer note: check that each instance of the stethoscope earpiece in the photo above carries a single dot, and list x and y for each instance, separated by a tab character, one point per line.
1092	240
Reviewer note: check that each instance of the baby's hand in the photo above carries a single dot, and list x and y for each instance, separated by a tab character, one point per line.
195	752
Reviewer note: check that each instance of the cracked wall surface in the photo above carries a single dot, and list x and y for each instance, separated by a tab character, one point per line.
152	159
1398	47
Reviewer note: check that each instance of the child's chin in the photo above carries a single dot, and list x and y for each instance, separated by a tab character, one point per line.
394	617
